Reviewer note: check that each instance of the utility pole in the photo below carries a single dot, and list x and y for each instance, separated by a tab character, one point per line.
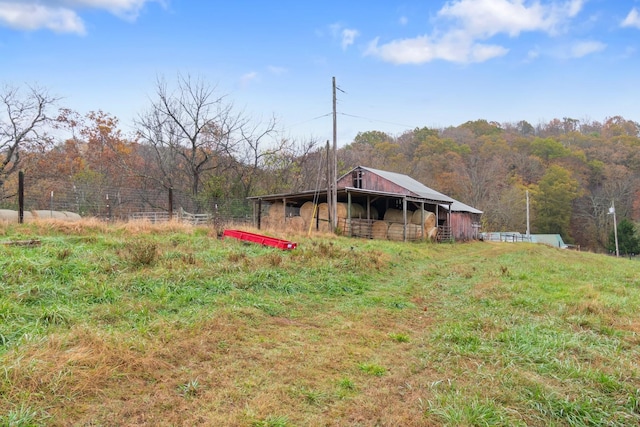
528	229
334	178
329	186
612	210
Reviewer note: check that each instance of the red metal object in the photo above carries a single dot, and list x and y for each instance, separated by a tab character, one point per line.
260	239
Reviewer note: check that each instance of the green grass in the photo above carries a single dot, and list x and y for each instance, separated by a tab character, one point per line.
168	325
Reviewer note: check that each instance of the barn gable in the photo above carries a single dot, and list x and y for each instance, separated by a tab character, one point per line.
389	182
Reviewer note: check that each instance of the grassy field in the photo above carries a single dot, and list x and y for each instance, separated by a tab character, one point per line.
139	325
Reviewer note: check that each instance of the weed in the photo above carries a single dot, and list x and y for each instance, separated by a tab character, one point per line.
272	421
23	416
312	397
398	337
372	369
236	257
64	254
189	389
142	253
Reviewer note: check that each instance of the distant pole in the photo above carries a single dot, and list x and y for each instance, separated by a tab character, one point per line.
51	204
329	189
334	178
20	197
528	229
612	210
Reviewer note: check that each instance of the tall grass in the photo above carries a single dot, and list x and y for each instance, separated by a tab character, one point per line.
134	324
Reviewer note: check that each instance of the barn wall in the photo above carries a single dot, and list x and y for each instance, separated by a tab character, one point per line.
462	225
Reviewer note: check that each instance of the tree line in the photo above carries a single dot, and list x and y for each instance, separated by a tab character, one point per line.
193	139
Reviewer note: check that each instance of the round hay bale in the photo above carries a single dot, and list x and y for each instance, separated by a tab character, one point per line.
357	211
266	222
323	211
429	219
276	210
47	214
296	224
432	233
396	232
394	215
8	215
28	216
72	216
307	211
379	230
324	226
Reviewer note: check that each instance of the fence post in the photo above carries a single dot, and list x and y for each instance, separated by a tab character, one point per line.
170	204
20	197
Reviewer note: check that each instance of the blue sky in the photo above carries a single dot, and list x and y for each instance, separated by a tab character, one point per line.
399	64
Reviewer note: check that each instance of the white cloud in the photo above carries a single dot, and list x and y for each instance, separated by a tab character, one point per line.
348	37
632	19
62	15
586	48
464	26
31	16
454	48
247	78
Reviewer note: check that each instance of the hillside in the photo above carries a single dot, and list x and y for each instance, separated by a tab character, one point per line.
132	324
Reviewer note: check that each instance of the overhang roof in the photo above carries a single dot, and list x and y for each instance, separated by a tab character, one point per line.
457	206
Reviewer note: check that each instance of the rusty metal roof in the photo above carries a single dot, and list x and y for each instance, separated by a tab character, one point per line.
411	184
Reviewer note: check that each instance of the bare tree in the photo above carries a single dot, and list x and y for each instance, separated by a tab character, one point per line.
22	124
191	131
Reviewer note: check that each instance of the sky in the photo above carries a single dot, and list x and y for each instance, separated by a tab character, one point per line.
398	65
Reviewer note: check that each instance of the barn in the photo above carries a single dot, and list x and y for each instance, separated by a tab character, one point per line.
372	203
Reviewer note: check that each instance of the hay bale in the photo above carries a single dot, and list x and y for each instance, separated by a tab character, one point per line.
72	216
267	222
429	219
8	215
307	211
47	214
379	230
357	211
394	215
396	232
323	211
276	210
324	226
295	224
432	233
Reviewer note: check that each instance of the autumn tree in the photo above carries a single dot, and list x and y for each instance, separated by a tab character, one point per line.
553	201
628	241
191	131
23	126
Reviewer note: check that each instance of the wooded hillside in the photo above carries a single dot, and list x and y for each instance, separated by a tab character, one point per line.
193	141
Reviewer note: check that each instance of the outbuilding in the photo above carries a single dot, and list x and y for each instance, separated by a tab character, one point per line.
372	203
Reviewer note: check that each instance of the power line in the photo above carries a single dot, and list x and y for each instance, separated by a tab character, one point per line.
378	121
310	120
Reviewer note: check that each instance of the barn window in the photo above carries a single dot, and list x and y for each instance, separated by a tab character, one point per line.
357	178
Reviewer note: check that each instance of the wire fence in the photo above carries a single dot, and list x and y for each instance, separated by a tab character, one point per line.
125	204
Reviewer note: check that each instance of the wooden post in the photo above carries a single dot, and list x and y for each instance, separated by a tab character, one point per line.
170	204
404	219
20	197
259	212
